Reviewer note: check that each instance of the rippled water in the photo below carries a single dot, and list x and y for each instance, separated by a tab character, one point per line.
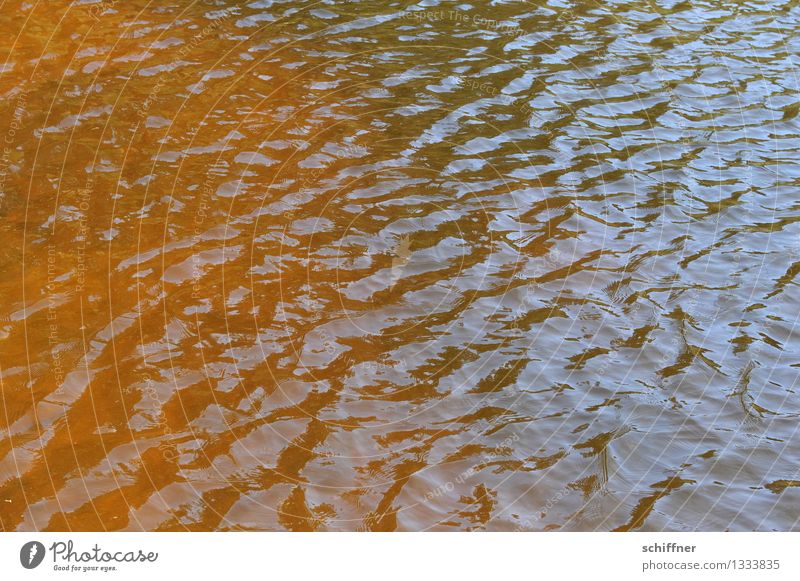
391	266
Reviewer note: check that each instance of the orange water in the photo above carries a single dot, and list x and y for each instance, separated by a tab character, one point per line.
344	266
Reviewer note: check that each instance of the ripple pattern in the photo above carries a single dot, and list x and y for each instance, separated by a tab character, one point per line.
345	265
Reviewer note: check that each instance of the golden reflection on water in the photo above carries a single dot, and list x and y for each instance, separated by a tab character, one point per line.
382	266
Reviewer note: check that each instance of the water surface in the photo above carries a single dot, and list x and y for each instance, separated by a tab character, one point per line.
393	266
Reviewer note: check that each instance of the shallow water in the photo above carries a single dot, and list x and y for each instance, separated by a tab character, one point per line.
381	266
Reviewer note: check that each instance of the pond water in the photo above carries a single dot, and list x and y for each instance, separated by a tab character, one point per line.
391	266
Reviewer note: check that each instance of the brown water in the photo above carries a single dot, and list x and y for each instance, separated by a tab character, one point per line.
338	266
